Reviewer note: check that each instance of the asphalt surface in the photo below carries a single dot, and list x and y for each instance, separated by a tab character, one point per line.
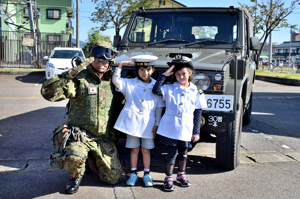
27	121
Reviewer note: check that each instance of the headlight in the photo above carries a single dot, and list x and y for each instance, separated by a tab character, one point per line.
202	81
50	65
218	77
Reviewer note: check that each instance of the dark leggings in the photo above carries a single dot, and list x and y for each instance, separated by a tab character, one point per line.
173	152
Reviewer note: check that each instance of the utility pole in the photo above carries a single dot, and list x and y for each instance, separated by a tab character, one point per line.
37	32
290	48
255	18
270	47
77	24
32	28
270	39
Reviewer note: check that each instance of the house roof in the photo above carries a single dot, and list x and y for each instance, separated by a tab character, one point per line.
286	44
179	3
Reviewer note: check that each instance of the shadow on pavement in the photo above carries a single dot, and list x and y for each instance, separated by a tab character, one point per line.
32	77
28	135
25	146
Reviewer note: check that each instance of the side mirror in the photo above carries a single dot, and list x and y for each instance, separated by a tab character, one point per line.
254	43
117	39
46	58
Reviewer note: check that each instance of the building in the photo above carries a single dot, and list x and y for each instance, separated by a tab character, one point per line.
264	57
167	3
23	40
53	16
282	51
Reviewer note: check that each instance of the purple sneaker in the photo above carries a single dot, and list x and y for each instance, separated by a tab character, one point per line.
181	179
168	184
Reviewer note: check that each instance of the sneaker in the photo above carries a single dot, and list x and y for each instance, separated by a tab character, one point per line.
133	178
168	184
181	179
147	181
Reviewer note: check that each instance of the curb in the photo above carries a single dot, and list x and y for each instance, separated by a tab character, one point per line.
295	82
22	72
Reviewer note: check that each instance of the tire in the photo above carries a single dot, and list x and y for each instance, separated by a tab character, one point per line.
248	112
228	143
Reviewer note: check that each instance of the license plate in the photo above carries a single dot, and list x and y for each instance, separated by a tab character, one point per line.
219	102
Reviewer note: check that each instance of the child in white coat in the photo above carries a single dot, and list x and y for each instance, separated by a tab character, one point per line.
180	125
141	114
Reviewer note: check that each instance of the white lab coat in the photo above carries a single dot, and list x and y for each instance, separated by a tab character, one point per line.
137	118
178	120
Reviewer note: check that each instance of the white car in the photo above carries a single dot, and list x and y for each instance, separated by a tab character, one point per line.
60	60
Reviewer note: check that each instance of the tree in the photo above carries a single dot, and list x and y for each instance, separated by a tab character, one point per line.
116	13
269	15
93	36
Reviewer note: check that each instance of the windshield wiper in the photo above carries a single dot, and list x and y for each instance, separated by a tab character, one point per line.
207	41
167	40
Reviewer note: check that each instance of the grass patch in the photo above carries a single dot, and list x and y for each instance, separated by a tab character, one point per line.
284	73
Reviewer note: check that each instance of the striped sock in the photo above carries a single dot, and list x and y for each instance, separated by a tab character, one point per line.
133	170
146	171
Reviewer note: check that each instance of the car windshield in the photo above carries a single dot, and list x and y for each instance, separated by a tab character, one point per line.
190	27
66	54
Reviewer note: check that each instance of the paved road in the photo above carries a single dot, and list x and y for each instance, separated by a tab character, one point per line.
269	166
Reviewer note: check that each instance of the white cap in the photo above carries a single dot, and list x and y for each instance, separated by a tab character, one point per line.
144	60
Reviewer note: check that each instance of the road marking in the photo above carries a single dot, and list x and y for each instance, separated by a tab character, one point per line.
259	113
37	94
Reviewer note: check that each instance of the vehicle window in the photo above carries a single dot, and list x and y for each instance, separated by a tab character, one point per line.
202	32
190	26
141	30
66	54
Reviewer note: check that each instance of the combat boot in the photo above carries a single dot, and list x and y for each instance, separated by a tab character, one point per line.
73	185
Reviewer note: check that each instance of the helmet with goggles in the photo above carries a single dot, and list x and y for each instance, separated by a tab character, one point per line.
103	50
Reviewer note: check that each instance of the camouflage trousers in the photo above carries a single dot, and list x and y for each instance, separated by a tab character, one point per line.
103	158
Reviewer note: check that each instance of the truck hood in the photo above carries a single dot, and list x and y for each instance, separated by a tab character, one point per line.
206	59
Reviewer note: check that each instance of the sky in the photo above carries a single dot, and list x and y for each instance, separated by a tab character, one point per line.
86	7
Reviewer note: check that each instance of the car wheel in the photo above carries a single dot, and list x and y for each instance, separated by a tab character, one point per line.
228	143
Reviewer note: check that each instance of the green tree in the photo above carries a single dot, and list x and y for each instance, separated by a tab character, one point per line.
116	13
268	15
93	36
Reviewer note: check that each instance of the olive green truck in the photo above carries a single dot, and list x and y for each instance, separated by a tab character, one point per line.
221	45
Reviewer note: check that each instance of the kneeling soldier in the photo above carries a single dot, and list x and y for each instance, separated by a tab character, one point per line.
92	111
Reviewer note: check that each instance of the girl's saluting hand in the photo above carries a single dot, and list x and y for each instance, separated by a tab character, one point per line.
169	71
125	63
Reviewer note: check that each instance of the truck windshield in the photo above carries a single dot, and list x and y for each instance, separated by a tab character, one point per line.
190	27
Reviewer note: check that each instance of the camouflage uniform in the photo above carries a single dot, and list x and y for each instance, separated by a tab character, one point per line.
93	108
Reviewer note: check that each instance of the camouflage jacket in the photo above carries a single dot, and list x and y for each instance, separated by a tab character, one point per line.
94	105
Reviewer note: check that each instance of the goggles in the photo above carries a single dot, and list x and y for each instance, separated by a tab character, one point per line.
102	52
104	61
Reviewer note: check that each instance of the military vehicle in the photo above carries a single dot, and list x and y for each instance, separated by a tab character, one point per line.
221	45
